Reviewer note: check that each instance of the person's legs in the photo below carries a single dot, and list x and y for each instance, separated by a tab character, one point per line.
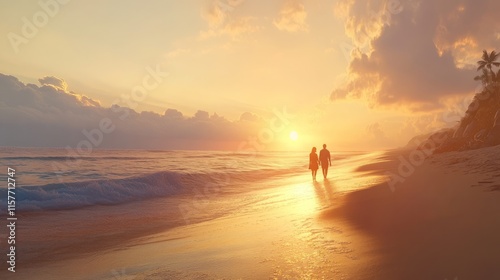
314	173
325	171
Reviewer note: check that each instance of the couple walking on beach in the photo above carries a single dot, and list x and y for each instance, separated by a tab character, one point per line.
324	160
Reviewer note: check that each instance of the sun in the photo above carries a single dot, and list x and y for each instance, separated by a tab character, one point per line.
294	136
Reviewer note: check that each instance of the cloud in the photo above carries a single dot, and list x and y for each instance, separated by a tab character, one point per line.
48	116
201	115
418	125
249	117
222	20
215	15
292	17
87	101
54	82
363	20
50	97
240	26
415	54
63	97
234	28
173	114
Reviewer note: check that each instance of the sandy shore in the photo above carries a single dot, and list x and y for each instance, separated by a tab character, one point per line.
440	222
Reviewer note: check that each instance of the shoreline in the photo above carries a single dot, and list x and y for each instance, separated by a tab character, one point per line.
434	225
440	223
263	222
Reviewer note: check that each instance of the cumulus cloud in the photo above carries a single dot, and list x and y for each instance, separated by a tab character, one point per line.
415	54
173	114
292	17
49	97
48	116
54	82
201	115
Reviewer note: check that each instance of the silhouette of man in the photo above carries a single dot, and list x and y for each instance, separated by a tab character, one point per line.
325	160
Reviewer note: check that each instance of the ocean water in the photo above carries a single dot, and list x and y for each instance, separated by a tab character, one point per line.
53	179
50	179
69	207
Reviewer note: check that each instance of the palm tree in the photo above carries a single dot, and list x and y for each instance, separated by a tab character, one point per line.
486	77
488	60
495	81
495	78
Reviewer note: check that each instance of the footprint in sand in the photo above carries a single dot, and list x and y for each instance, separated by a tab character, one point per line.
482	183
495	188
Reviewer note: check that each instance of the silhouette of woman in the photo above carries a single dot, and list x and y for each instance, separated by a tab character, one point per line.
313	163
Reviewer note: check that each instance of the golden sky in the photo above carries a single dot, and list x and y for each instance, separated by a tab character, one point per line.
356	74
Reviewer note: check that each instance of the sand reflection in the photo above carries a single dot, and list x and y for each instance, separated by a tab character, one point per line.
324	191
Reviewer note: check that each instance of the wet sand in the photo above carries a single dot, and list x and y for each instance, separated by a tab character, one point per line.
441	222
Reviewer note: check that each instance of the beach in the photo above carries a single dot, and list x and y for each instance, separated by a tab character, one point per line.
441	222
189	140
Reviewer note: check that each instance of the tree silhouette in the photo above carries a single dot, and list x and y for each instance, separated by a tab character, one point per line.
485	77
488	60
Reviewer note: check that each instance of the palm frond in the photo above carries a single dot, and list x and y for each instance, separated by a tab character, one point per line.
494	56
488	60
481	64
485	56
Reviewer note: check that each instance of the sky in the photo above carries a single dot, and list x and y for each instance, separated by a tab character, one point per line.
237	74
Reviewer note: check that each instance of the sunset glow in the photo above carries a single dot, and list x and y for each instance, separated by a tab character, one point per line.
241	139
213	74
